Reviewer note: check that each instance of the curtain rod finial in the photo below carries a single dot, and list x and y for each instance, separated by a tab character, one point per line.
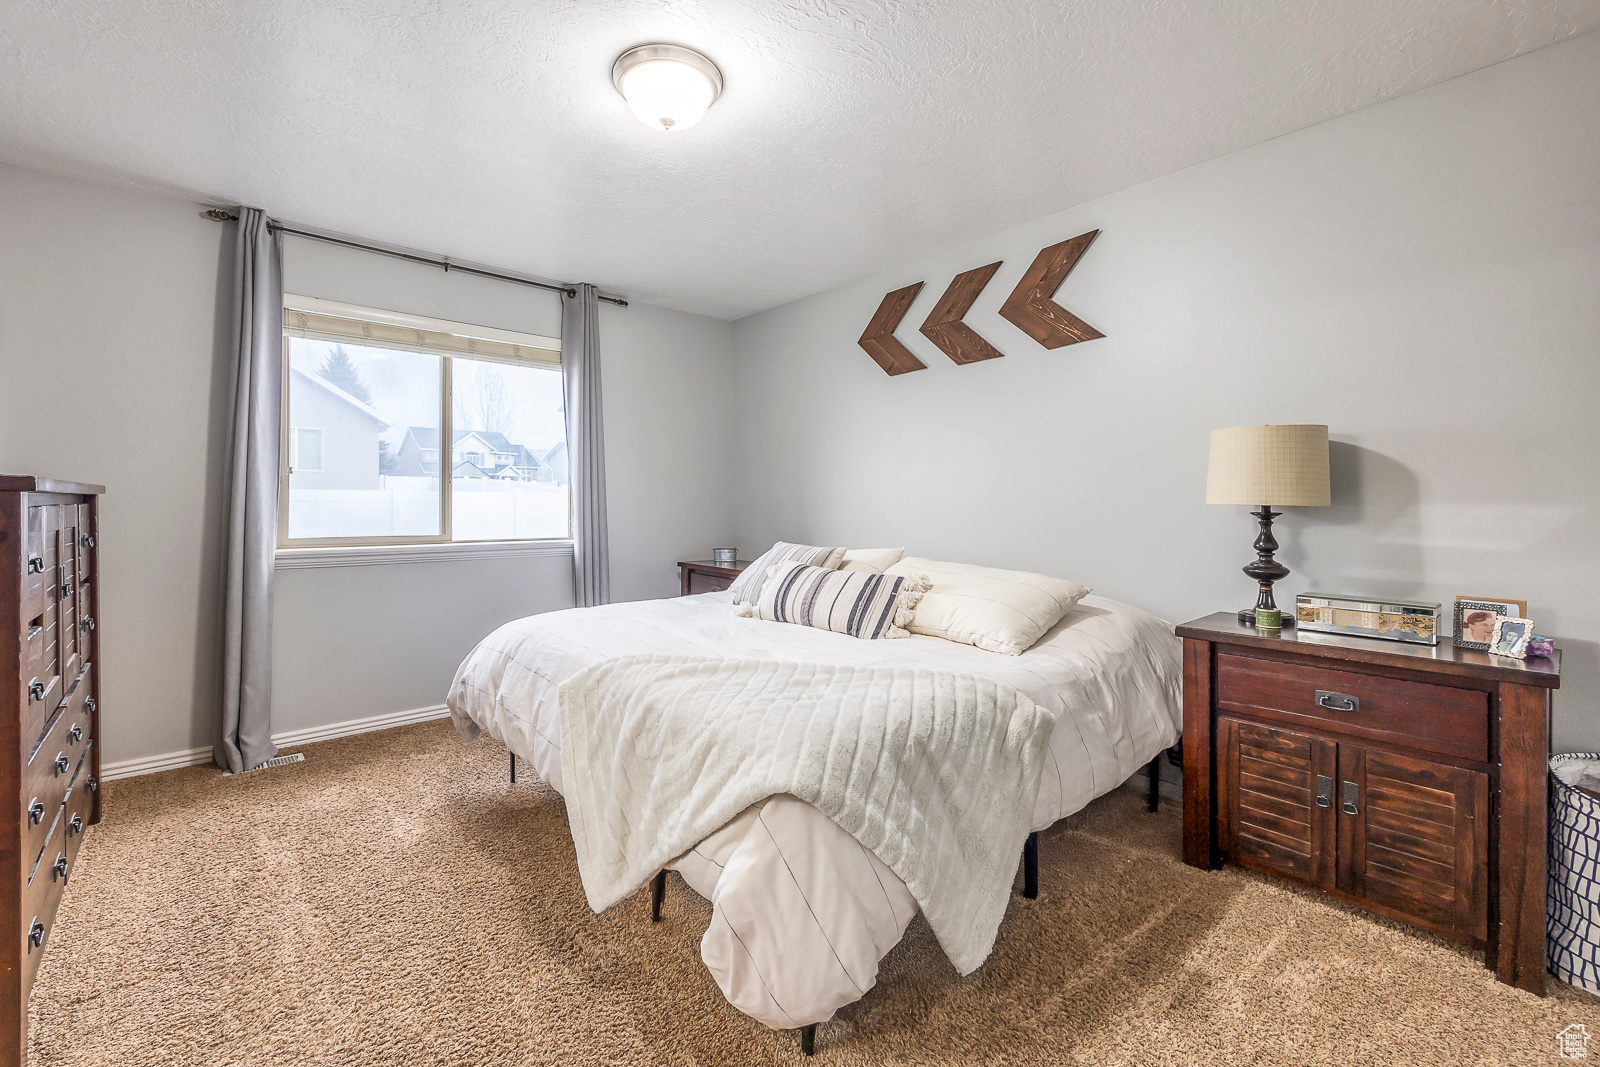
220	215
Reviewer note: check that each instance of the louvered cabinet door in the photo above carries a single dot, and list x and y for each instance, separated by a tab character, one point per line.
1275	800
1413	836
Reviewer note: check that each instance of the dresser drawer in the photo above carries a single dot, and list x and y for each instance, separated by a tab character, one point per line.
38	562
41	897
52	765
1415	715
701	582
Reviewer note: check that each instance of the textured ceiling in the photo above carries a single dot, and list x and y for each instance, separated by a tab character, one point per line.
852	134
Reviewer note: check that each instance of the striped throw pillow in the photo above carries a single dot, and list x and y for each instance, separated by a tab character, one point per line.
857	603
746	588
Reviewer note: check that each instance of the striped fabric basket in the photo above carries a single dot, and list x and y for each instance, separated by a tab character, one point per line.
1572	927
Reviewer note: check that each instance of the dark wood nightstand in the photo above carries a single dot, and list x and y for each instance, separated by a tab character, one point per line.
708	576
1408	779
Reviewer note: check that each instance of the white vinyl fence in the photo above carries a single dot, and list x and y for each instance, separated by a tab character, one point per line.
483	510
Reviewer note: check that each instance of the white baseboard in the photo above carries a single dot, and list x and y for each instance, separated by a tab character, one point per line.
193	757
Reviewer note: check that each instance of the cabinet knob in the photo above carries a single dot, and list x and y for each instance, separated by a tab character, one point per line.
35	935
88	623
75	826
35	564
63	764
1337	701
35	690
1351	793
58	869
76	733
36	812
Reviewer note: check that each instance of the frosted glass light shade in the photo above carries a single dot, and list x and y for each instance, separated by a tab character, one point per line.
1282	466
668	87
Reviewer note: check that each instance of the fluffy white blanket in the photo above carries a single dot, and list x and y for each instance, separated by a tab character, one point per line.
933	772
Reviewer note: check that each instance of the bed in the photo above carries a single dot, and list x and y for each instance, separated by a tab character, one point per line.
801	912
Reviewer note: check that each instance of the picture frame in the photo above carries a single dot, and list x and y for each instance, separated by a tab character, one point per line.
1511	637
1475	618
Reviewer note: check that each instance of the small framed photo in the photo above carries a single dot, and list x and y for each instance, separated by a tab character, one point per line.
1510	637
1476	616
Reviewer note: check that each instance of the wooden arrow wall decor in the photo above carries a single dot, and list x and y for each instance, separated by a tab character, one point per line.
1030	308
944	326
879	340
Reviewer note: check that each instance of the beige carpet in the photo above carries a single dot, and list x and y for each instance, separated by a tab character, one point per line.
393	900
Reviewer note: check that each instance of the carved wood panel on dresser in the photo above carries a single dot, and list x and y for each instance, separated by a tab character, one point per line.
50	595
1407	779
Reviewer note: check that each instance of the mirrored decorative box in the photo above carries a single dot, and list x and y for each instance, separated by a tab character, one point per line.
1412	621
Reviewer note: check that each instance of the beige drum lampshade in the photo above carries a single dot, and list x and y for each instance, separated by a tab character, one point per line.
1281	466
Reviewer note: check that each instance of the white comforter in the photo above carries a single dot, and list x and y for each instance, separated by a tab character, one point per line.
801	912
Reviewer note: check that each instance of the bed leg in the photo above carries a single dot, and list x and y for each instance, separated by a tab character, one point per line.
1154	771
1030	866
658	893
808	1040
513	768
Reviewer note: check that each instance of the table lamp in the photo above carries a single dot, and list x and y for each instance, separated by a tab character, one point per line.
1267	466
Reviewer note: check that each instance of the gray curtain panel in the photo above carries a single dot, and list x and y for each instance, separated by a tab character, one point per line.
586	448
244	737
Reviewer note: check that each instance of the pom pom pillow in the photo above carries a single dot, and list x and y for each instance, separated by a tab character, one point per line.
1001	611
746	588
858	603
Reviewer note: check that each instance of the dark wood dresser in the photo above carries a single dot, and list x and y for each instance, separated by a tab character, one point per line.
1405	778
50	591
706	576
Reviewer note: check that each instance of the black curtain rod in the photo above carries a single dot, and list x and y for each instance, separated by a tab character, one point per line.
227	216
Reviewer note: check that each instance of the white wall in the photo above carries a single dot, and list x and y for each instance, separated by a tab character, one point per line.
110	335
114	315
359	641
1422	276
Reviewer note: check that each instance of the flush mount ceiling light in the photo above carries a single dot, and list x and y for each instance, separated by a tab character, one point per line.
667	86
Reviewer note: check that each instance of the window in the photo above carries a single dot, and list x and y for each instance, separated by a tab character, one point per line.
372	397
305	450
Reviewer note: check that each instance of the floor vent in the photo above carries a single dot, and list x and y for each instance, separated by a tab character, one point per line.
278	761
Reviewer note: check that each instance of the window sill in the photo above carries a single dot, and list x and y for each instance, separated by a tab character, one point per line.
290	559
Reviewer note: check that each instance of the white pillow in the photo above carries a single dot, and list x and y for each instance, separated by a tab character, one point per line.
746	588
872	560
1001	611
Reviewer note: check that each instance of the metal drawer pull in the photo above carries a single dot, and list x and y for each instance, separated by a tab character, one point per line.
63	764
35	564
1351	794
36	812
1337	701
59	868
88	623
35	690
93	785
35	935
75	826
76	733
89	705
1324	791
87	540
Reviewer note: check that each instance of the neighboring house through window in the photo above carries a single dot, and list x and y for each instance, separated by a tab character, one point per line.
372	396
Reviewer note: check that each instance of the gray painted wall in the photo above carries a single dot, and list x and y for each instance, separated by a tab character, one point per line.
1420	275
110	335
359	641
114	310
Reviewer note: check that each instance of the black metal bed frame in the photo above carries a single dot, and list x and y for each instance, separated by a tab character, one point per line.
1030	873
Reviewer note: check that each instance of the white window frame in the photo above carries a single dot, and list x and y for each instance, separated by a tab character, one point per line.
288	546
